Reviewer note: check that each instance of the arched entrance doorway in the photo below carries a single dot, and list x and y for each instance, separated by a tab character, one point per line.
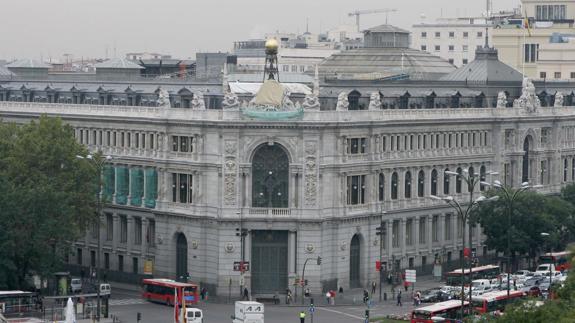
181	255
270	177
526	148
355	262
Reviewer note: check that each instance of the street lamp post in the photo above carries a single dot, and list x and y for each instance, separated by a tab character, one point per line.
510	196
98	161
471	180
381	231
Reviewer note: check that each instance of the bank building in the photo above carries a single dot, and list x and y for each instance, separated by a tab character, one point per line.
206	174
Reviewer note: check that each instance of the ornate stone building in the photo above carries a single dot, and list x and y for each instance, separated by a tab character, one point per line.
184	180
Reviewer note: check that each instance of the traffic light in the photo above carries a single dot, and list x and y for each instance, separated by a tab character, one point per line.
318	261
139	316
367	314
380	231
305	282
311	302
241	232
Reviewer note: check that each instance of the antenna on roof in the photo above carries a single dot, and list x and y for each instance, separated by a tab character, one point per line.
487	19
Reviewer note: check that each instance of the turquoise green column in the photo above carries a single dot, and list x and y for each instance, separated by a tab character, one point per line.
109	183
122	185
151	188
137	186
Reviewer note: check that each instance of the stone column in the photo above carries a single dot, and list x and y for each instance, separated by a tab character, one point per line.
427	181
145	237
387	186
440	175
292	252
441	233
116	232
130	235
416	233
389	238
402	236
454	229
429	235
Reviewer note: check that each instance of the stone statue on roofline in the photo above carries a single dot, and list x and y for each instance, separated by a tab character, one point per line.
501	100
559	100
198	102
374	101
342	102
311	101
528	99
163	98
231	101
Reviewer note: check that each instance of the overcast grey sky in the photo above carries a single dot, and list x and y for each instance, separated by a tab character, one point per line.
86	28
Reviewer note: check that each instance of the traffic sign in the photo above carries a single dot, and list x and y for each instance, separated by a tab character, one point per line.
410	275
312	309
238	266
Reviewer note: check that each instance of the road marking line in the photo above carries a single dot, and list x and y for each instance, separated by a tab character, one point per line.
341	313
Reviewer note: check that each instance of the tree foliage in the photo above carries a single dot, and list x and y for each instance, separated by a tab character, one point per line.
532	213
47	198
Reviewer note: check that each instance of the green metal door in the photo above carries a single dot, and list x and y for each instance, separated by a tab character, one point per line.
269	261
354	262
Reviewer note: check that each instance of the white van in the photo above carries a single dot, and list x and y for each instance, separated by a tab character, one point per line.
76	285
105	289
194	315
544	269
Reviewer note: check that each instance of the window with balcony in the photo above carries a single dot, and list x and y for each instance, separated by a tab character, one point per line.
182	144
356	146
550	12
182	188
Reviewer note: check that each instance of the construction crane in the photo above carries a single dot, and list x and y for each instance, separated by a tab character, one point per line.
358	13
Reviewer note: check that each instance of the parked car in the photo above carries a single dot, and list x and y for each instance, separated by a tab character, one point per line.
544	269
435	295
76	285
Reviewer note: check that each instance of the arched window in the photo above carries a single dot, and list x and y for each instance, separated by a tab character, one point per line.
381	186
565	169
394	186
420	183
458	180
434	182
407	185
471	173
181	255
482	174
446	182
270	179
353	99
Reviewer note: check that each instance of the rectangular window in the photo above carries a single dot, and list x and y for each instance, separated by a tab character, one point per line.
531	53
143	141
384	144
356	146
151	141
356	189
435	228
184	144
437	48
108	138
448	227
451	34
109	227
123	229
451	48
106	261
120	263
465	34
92	258
422	226
182	188
135	265
479	34
542	75
114	141
151	233
79	256
465	61
137	139
437	34
137	231
451	61
409	232
129	140
557	75
459	227
423	34
465	48
395	234
543	177
122	137
424	48
175	141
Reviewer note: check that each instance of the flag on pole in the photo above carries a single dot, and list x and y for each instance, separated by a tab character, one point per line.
527	25
176	307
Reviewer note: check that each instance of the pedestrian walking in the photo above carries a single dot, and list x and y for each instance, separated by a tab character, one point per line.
327	296
288	296
302	317
365	296
399	299
246	295
406	285
373	285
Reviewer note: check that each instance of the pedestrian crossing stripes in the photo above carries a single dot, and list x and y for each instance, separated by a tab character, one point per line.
128	301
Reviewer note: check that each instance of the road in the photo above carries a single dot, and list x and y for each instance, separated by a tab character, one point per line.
126	304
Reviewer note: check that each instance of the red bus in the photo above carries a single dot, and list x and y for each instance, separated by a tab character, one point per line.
163	290
453	278
561	260
448	310
495	301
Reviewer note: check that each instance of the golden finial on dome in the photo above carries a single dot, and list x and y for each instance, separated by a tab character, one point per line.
272	46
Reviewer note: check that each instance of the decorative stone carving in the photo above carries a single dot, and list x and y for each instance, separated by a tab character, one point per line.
310	147
501	100
230	170
374	101
343	246
309	248
559	99
287	102
229	247
310	174
528	99
198	102
342	102
163	98
230	166
194	244
230	147
311	102
231	101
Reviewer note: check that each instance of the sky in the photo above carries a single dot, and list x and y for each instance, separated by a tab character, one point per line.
43	29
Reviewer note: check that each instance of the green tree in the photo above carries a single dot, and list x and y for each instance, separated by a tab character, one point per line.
47	198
